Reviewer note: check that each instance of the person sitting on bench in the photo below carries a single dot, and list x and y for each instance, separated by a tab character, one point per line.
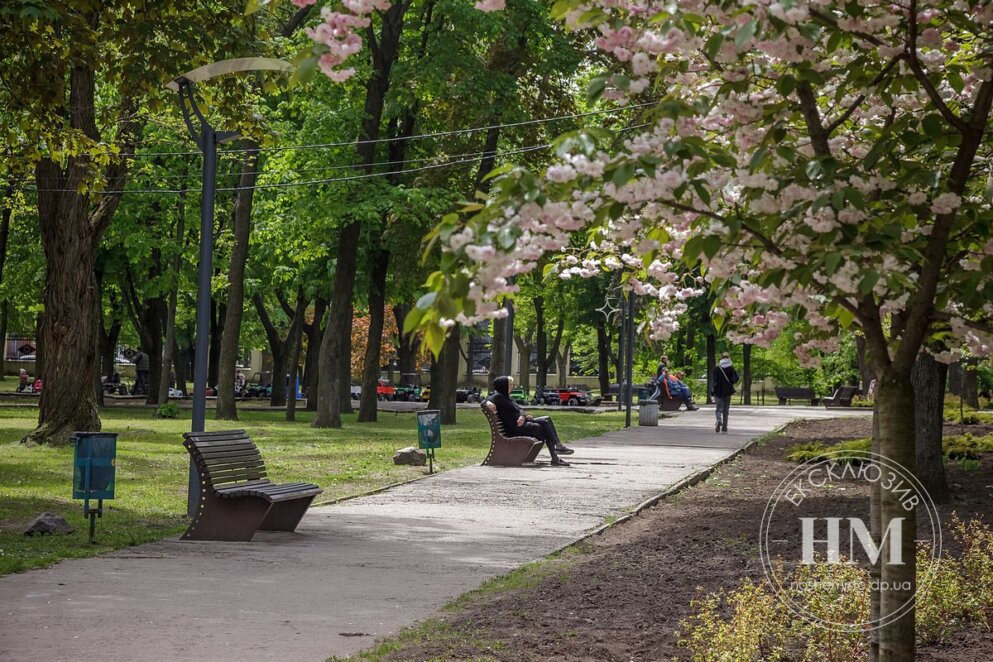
518	424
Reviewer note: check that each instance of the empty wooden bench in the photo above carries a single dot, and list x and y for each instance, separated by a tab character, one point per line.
236	498
842	397
786	393
507	451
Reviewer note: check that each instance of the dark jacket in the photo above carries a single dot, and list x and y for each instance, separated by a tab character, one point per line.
723	381
508	412
141	361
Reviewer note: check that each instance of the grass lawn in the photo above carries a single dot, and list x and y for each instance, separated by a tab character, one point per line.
152	468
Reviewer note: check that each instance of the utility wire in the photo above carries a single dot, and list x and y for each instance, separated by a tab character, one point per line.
421	136
289	184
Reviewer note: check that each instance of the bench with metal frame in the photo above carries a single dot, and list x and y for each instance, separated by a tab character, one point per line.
507	451
785	393
842	397
236	498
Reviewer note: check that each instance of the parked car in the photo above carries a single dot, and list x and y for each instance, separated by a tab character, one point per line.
385	390
356	392
407	393
545	396
467	394
519	396
425	393
573	397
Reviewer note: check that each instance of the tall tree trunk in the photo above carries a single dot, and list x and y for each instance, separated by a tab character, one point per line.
866	373
956	376
444	377
895	395
970	383
929	378
541	342
218	312
369	402
498	345
524	347
603	355
336	345
68	331
280	348
5	214
315	331
409	342
295	342
231	337
169	352
563	365
746	373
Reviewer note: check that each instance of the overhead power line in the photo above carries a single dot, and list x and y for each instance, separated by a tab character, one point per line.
421	136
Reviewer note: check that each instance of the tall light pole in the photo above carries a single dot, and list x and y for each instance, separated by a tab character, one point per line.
207	139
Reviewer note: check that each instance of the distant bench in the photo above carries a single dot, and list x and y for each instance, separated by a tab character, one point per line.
236	498
786	393
842	397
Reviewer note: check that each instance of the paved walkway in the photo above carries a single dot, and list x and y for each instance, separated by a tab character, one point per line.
357	570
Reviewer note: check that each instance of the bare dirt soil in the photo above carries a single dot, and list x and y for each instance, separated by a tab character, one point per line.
624	597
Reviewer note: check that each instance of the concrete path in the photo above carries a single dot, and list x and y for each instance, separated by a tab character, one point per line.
358	570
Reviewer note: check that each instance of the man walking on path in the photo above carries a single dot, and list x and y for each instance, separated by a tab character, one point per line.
723	380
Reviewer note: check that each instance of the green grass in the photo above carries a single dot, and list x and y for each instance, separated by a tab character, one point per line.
152	468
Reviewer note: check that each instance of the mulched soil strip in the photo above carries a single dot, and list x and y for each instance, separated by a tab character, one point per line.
625	596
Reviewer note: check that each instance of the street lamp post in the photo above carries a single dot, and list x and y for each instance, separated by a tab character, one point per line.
207	139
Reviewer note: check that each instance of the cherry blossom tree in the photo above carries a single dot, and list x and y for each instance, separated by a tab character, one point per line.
817	160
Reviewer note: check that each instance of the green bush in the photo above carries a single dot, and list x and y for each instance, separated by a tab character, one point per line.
751	623
167	410
817	450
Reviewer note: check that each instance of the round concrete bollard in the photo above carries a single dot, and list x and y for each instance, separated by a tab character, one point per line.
648	413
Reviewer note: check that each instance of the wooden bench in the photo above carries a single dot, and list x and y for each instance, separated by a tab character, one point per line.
842	397
785	393
507	451
236	498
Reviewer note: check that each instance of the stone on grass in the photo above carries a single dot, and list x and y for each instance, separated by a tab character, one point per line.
48	523
415	457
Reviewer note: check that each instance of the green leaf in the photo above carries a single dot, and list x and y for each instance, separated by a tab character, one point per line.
746	32
713	45
786	84
596	88
623	174
869	281
932	125
427	300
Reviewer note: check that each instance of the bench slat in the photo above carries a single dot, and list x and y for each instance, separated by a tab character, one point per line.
232	456
235	475
218	443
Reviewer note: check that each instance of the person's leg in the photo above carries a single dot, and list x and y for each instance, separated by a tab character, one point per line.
546	422
537	430
718	411
727	410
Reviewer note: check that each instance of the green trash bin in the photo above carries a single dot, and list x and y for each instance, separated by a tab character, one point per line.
94	471
429	433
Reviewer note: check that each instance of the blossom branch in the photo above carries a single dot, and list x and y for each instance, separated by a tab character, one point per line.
862	97
921	75
808	107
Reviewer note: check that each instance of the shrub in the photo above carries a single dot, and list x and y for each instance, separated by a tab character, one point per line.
760	627
167	410
817	450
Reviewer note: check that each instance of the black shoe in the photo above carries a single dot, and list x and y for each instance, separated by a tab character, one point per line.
557	462
724	429
691	407
717	428
563	450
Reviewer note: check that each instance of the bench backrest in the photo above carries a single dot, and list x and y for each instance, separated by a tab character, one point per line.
798	392
225	458
496	427
846	393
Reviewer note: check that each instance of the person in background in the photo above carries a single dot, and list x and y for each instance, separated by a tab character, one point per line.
239	383
517	423
722	385
38	384
23	381
140	361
